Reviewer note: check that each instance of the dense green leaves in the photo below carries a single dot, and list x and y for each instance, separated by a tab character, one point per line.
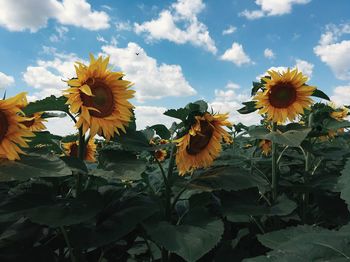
50	103
344	183
33	165
191	240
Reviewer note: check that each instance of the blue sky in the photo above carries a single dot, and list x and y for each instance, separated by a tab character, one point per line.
188	49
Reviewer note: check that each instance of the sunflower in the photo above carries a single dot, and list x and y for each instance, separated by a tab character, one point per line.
35	122
160	155
285	95
202	144
100	97
340	114
12	132
265	146
72	149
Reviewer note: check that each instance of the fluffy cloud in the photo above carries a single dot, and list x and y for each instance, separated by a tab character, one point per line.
152	80
268	53
151	115
6	80
167	26
229	101
230	30
333	52
303	66
341	95
236	55
60	35
32	15
47	75
61	126
272	8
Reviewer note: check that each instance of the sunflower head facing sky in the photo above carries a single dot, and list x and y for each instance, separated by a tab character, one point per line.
202	144
100	97
13	133
285	95
72	149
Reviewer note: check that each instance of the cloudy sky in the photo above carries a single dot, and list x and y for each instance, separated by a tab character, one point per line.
187	49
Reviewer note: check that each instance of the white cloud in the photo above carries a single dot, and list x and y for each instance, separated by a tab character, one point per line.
230	30
231	85
32	15
341	95
151	115
152	80
236	55
47	76
123	26
101	39
272	8
61	126
333	52
229	101
168	26
60	34
303	66
6	80
268	53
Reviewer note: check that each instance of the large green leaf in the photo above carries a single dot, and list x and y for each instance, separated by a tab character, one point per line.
306	243
68	211
290	138
33	165
123	164
226	178
45	141
320	94
191	240
180	113
242	207
344	183
249	107
135	141
51	103
120	221
161	131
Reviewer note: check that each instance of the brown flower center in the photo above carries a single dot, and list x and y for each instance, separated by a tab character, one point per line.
4	125
282	95
201	140
102	99
29	123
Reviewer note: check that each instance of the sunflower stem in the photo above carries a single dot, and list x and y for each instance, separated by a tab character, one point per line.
66	239
81	152
274	166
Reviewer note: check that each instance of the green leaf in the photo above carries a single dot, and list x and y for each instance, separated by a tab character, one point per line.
75	164
191	240
180	113
225	178
344	183
161	131
69	211
292	138
45	141
306	243
318	93
123	164
249	107
333	124
122	220
51	103
134	141
32	165
256	87
198	106
241	207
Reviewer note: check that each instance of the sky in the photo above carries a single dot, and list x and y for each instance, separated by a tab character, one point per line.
175	51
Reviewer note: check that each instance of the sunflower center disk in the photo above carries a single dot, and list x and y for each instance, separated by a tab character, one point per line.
200	141
4	125
282	95
102	99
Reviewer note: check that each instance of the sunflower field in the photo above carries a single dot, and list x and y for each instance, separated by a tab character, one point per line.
204	189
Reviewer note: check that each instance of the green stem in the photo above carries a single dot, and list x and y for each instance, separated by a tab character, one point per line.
66	239
274	166
81	153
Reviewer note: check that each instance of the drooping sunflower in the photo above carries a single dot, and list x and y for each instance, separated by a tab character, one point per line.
340	114
100	96
35	122
13	134
202	144
265	146
72	149
160	154
285	95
